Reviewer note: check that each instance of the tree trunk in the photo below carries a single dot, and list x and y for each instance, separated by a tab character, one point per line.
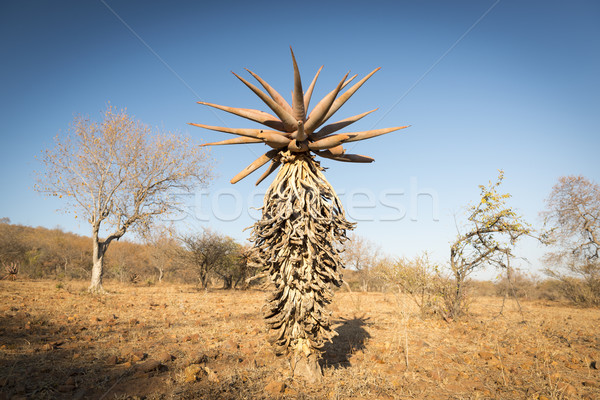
308	367
98	265
203	281
239	280
227	282
365	285
457	305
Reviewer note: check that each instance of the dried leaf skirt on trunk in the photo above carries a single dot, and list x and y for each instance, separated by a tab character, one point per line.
297	242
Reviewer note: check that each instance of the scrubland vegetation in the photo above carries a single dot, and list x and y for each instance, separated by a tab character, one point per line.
174	315
52	254
183	319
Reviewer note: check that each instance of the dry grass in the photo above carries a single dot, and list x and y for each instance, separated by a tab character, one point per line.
60	342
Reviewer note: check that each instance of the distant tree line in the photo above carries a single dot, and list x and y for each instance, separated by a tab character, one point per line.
207	258
211	259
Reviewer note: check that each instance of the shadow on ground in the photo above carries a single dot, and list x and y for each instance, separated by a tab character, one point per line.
351	338
41	359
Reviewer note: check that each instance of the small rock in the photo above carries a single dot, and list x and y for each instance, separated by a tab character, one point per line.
211	375
526	366
65	388
138	356
20	389
248	350
149	365
21	315
133	321
165	357
192	338
112	360
232	345
191	372
594	365
79	371
486	355
566	388
205	357
275	387
436	376
573	366
590	384
455	388
201	359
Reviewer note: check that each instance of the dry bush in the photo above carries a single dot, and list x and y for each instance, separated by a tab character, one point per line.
209	254
580	291
520	284
526	286
357	281
418	278
549	289
483	288
361	256
579	283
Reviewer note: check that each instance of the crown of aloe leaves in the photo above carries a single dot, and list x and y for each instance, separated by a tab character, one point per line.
294	129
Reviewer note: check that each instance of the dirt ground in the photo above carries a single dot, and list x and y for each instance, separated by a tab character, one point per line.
167	341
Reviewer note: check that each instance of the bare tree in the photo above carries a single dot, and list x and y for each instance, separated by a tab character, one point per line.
491	233
239	269
120	173
362	255
572	218
210	253
163	249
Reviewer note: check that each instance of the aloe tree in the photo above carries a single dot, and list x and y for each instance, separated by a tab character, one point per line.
303	220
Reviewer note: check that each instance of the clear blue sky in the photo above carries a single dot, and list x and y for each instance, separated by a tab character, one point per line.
519	91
